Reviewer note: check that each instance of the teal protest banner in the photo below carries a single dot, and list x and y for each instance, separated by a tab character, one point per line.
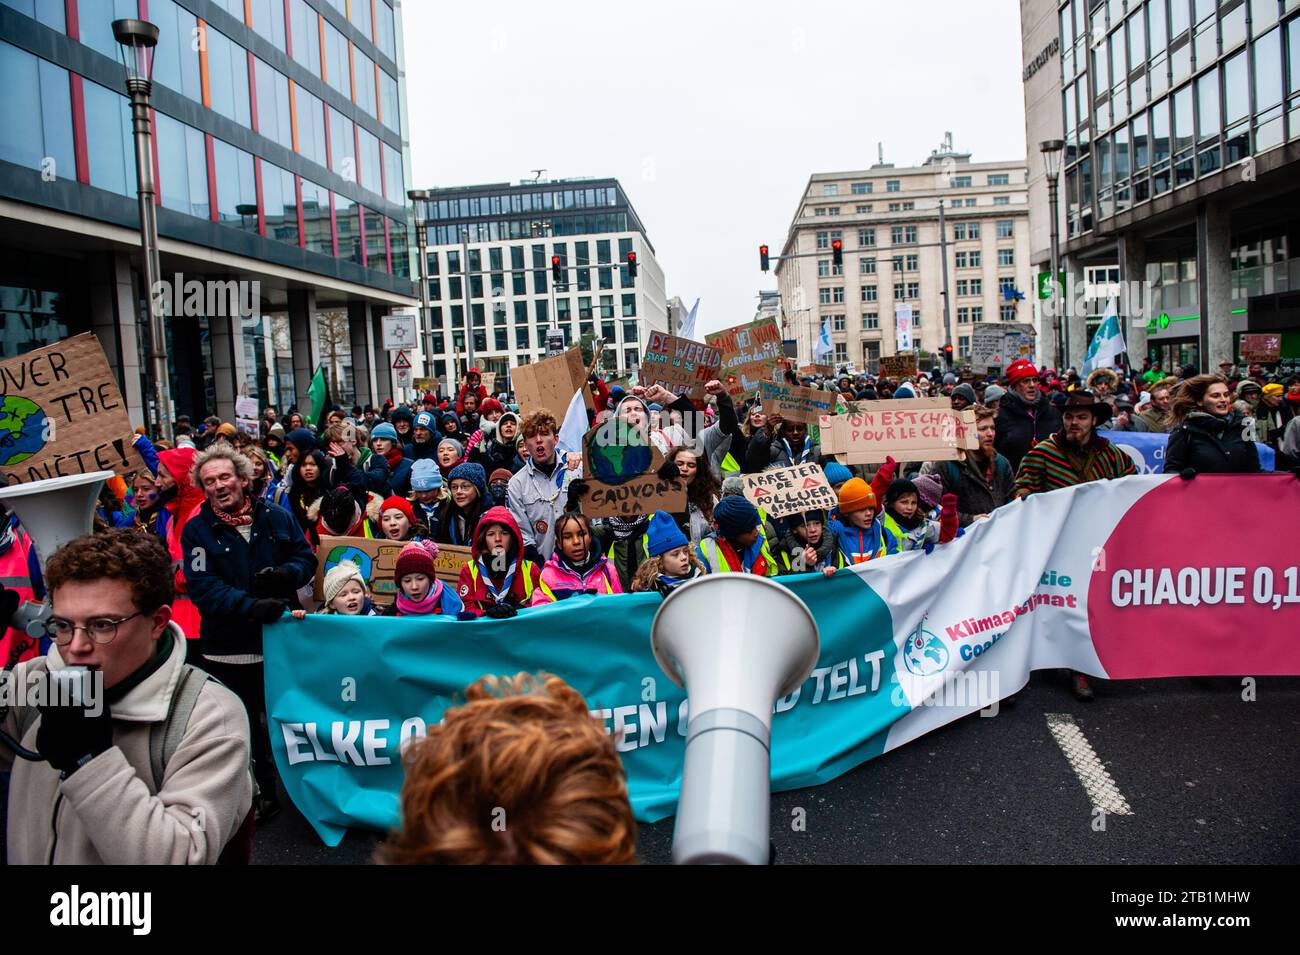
1061	579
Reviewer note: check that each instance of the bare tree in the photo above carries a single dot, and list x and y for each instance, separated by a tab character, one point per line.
335	344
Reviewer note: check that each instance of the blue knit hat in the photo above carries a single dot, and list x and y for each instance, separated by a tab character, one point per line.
384	430
735	515
836	473
302	439
425	475
663	535
424	420
473	473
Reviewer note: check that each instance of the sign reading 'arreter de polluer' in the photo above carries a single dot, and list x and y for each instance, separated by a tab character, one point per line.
61	414
784	491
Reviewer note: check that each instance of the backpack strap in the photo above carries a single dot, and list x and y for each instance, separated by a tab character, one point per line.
165	737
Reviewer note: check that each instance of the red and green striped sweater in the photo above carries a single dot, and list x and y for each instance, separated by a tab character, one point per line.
1047	466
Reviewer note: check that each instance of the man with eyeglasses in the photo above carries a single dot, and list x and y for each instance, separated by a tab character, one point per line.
151	764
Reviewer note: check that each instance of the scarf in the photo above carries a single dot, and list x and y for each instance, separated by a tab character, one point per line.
406	607
499	594
804	452
394	457
666	584
583	569
240	516
624	528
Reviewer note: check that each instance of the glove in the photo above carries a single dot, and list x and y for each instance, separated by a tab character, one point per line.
577	491
669	472
70	736
271	581
267	610
466	615
1187	473
9	601
501	611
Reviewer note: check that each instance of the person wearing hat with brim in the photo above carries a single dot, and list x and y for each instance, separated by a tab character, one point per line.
1026	415
1074	455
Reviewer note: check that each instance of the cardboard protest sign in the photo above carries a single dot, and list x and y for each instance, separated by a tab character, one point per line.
814	371
61	414
749	355
1264	349
998	345
682	366
377	559
549	384
913	429
793	490
639	495
898	366
614	454
826	429
795	402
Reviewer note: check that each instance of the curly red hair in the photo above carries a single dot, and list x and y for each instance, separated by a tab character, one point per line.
520	774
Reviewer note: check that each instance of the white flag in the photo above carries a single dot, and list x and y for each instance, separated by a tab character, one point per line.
824	346
688	326
1107	344
574	426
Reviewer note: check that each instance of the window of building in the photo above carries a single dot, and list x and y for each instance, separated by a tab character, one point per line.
1006	256
819	211
1006	284
870	321
841	352
893	185
385	31
866	238
963	315
389	111
182	167
347	215
830	189
337	71
961	182
977	313
108	140
343	149
1006	228
368	161
823	240
1007	313
359	14
273	119
959	260
316	219
862	210
823	268
963	346
837	295
867	266
860	188
363	72
869	293
304	27
837	323
176	61
1002	200
976	259
832	210
972	230
96	21
279	204
268	20
236	187
970	202
629	311
999	179
311	126
228	77
42	126
959	231
394	190
48	12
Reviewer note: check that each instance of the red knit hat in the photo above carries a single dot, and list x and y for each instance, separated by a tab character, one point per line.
396	503
490	405
415	558
1020	370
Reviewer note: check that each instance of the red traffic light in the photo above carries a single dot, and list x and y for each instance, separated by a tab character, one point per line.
837	244
631	256
555	261
837	251
762	258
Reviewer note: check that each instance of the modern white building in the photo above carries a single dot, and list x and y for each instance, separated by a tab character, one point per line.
887	220
491	249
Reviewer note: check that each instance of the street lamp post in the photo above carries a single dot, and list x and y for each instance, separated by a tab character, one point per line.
1052	150
419	198
136	40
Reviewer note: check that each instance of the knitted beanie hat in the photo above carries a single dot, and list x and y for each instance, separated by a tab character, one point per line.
663	535
415	558
338	575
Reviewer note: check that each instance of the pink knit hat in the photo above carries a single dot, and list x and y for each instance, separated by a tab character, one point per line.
416	558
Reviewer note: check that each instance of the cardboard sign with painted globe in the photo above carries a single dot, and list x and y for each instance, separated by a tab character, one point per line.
620	468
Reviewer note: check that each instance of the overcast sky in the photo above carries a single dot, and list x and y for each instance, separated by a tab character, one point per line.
712	115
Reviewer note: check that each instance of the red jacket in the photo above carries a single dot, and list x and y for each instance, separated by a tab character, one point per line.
481	391
181	508
473	586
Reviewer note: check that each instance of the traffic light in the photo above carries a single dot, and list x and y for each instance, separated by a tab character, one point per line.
557	276
837	252
947	354
762	258
631	266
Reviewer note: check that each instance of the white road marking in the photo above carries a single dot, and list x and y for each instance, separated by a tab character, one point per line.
1097	782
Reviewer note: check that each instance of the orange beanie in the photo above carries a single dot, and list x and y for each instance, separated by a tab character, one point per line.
856	495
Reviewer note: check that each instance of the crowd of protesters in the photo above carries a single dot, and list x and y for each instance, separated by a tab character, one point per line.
240	513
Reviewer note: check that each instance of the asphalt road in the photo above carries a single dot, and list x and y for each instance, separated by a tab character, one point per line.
1208	777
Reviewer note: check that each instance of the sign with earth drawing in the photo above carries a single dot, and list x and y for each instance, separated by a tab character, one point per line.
620	465
61	414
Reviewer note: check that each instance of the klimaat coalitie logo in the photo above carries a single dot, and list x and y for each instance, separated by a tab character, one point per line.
23	431
924	653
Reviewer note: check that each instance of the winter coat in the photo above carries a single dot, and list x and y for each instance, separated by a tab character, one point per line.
559	580
398	480
975	493
473	589
492	454
899	539
859	545
1155	420
365	525
1021	425
375	468
828	553
108	811
1209	444
178	512
627	554
221	582
537	501
1049	465
720	556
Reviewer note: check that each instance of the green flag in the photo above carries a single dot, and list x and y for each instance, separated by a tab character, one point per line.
318	394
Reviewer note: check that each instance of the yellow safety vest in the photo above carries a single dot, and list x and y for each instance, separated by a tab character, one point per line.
523	568
717	560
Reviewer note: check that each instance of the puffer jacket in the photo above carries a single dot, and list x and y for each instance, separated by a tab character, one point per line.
1209	444
560	579
178	511
108	811
1021	425
975	493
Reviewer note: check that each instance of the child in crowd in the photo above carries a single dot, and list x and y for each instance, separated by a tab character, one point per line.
672	562
427	495
904	521
808	547
739	545
498	485
577	566
419	591
460	515
450	453
337	513
397	521
498	579
345	593
858	531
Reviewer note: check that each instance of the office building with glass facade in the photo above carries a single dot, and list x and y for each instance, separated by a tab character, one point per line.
1181	123
279	158
493	244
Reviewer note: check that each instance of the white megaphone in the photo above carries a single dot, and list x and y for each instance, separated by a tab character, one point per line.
762	646
53	513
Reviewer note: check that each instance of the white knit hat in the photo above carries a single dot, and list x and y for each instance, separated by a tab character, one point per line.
338	575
